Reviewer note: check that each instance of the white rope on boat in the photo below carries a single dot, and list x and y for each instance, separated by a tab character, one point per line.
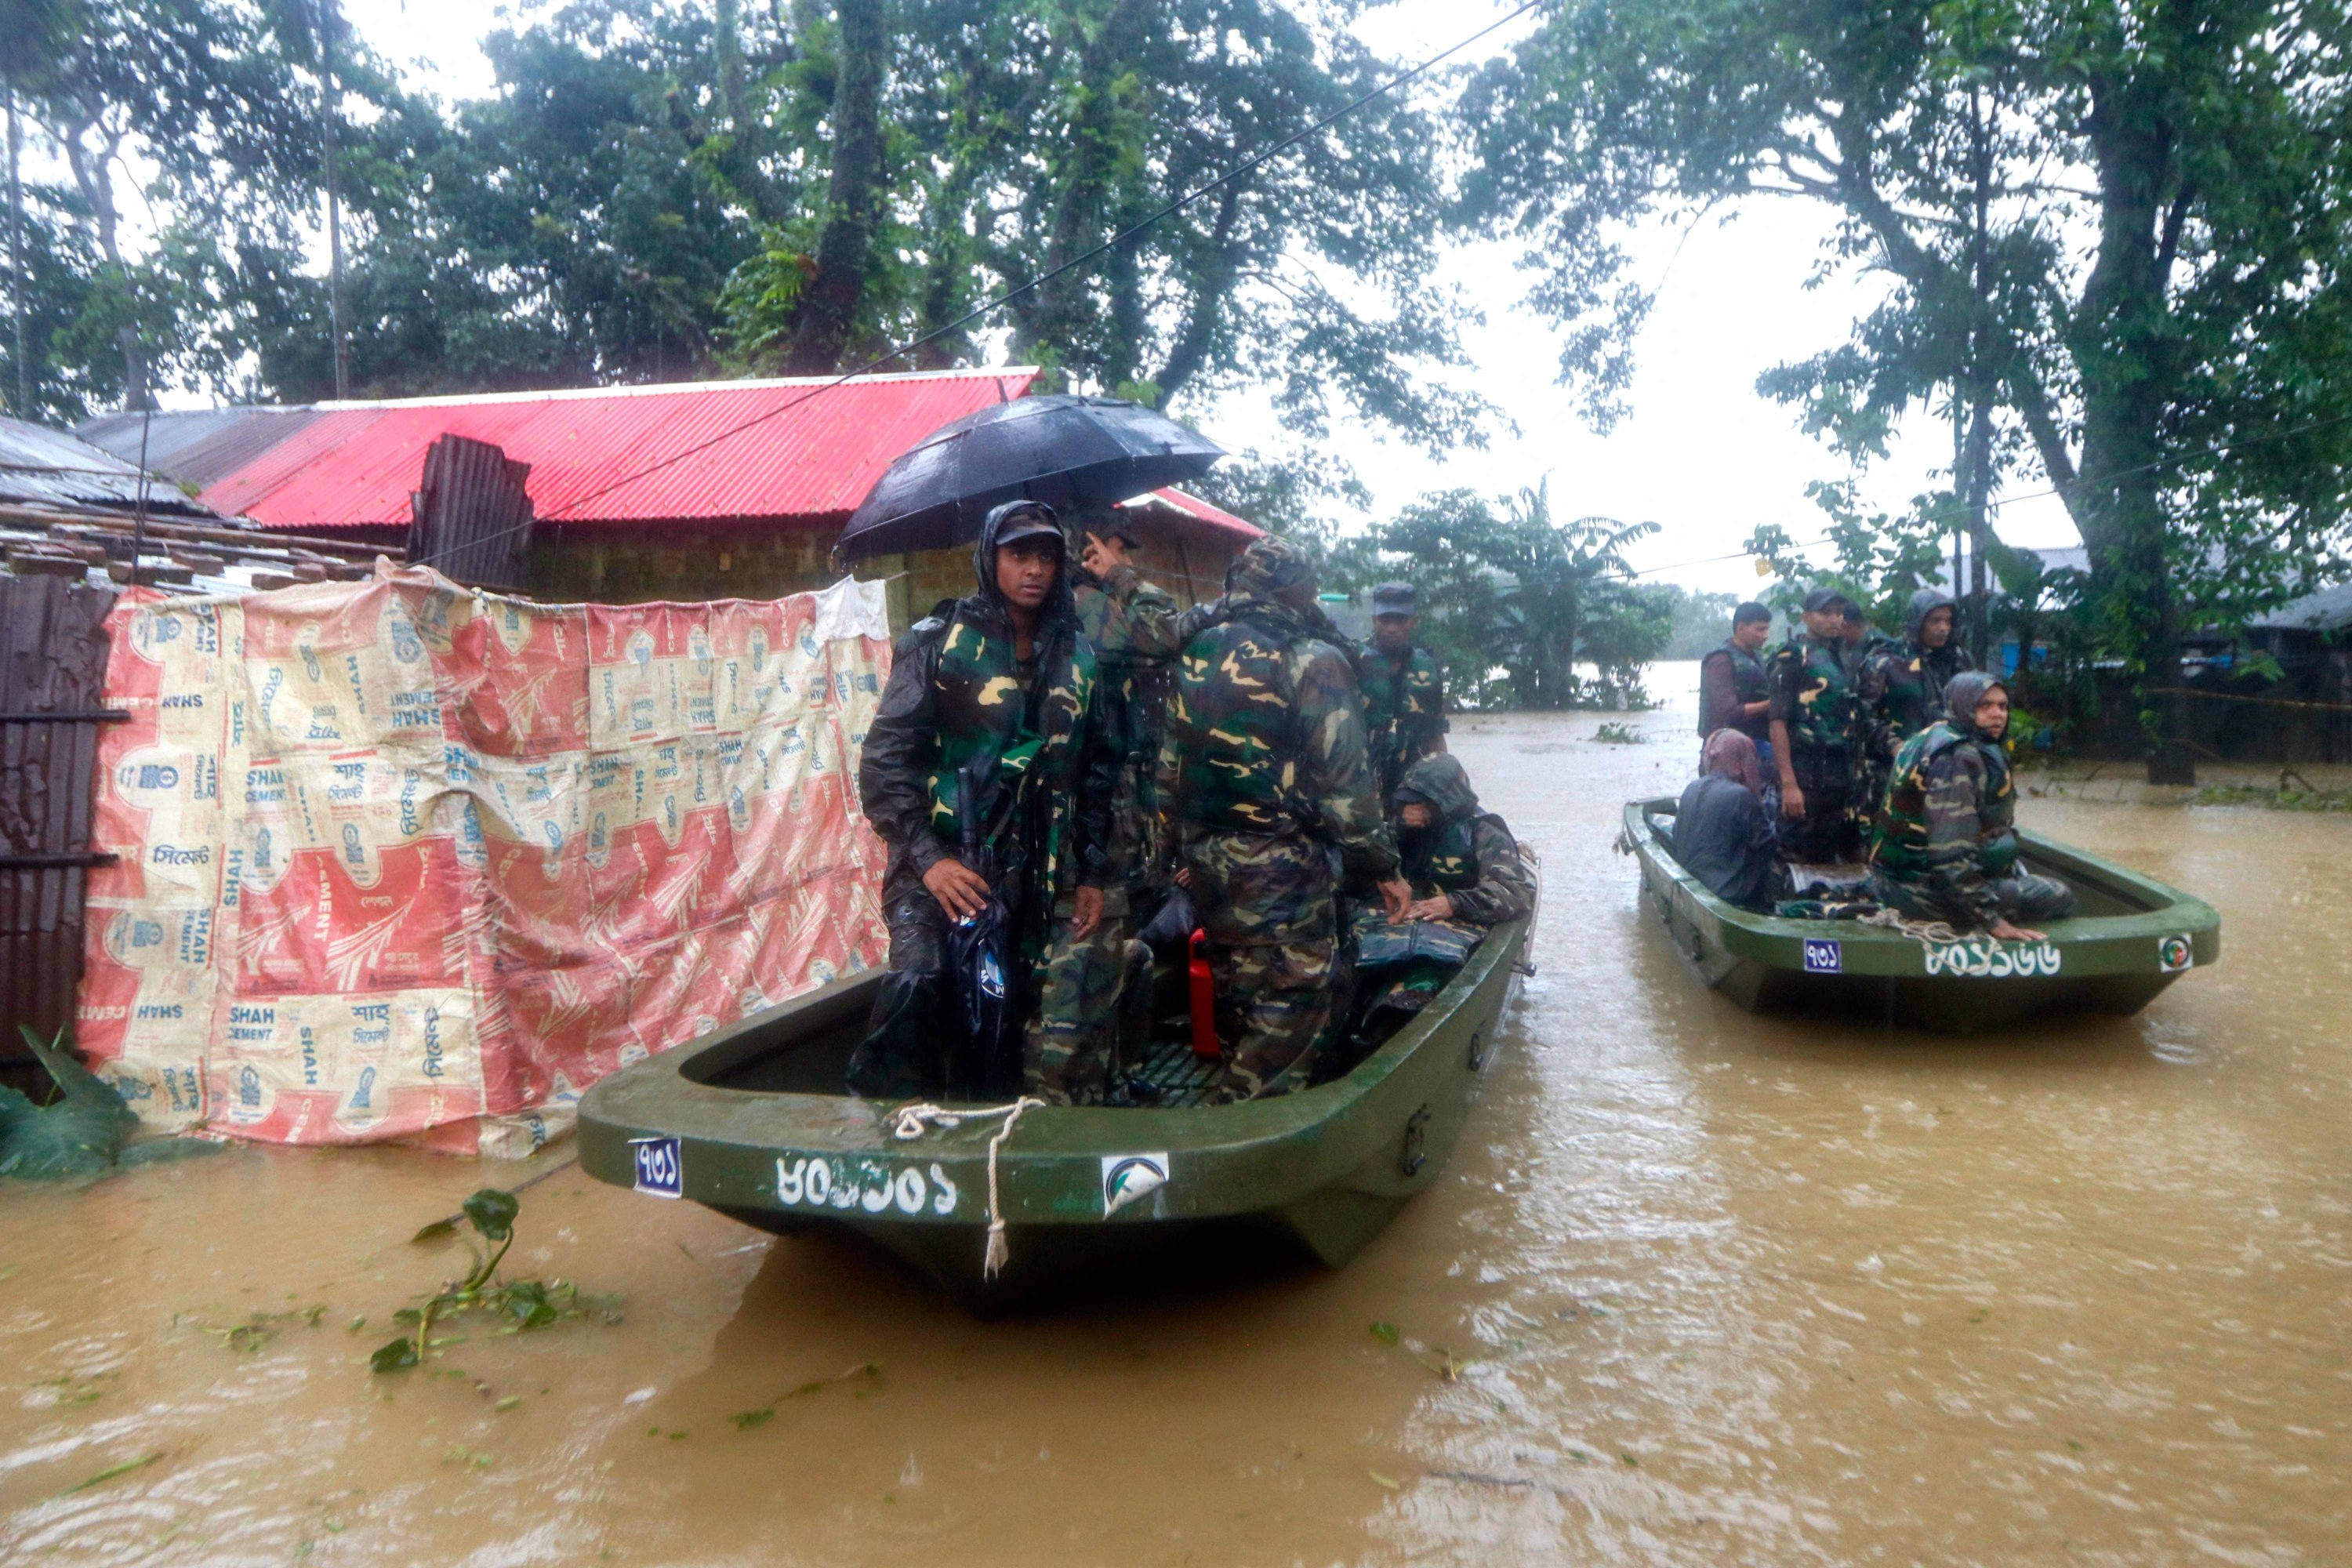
1927	934
913	1120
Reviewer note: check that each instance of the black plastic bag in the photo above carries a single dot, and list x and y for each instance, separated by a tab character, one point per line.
983	965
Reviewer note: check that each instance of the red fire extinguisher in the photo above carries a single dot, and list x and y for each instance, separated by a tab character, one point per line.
1205	1000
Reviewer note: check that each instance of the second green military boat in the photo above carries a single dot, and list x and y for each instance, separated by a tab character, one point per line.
753	1122
2133	937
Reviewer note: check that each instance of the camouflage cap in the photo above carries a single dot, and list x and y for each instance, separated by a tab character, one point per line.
1271	568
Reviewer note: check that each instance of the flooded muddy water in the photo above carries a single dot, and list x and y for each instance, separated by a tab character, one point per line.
1710	1289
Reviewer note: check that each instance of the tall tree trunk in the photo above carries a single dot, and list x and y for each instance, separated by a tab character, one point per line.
91	174
328	105
749	142
18	285
2123	351
1977	590
828	306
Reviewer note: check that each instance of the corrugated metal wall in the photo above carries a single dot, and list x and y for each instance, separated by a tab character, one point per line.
470	515
52	677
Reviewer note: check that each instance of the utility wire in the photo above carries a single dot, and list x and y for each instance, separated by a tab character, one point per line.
1177	205
1957	511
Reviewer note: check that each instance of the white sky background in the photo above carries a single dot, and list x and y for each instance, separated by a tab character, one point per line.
1701	453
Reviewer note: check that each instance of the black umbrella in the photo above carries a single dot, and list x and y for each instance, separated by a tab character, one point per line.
1064	451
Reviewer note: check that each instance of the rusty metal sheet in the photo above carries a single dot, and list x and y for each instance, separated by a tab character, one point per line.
53	653
471	514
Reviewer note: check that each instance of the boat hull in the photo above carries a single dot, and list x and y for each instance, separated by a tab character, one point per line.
756	1132
2136	938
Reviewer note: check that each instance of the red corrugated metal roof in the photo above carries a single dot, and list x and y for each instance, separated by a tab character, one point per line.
1193	507
800	449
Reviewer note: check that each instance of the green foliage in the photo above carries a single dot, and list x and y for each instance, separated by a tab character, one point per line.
80	1134
1513	601
513	1306
1698	621
2120	234
665	189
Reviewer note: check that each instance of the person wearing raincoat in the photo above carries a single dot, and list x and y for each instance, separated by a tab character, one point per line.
1900	687
1464	864
996	689
1266	792
1466	874
1946	847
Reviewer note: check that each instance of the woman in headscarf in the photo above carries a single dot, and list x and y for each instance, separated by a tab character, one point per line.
1723	836
1946	847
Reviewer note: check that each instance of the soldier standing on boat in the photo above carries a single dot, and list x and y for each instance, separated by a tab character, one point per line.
999	687
1946	847
1734	689
1069	1054
1814	736
1900	685
1269	798
1403	686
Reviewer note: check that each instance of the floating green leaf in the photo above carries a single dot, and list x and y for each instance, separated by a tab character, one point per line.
492	1212
111	1471
1386	1333
395	1355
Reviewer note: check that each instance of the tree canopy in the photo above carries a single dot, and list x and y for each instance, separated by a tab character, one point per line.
659	189
2114	234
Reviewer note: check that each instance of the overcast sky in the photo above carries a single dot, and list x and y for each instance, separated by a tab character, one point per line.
1701	454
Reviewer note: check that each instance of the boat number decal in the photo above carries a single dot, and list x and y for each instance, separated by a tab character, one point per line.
1824	955
874	1186
1127	1177
656	1167
1979	958
2173	954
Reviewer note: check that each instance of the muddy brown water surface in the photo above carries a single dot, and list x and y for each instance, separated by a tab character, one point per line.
1716	1289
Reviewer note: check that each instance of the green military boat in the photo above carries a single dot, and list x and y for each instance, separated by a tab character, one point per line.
2133	937
753	1122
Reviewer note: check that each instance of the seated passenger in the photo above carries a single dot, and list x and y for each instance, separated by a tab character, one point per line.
1463	863
1946	849
1466	874
1723	836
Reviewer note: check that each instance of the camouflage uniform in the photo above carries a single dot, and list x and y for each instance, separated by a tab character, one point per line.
1469	856
1268	796
1813	693
1899	691
1066	1058
1404	711
1946	849
956	693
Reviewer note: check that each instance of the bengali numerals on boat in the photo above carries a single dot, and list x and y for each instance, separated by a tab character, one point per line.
1982	959
873	1186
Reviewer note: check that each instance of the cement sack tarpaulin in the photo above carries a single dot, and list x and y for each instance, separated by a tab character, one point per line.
400	860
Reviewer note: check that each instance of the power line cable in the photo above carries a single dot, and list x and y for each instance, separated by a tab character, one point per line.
1177	205
1937	515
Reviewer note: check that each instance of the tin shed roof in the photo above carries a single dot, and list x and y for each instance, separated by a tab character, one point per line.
42	467
803	449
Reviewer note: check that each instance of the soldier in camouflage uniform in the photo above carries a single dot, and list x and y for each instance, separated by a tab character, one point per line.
1814	743
1463	863
1001	681
1067	1058
1405	688
1268	798
1899	687
1466	874
1945	847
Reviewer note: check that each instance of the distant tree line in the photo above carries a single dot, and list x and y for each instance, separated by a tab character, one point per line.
2116	237
671	189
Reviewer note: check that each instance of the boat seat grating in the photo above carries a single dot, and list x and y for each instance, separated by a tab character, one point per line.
1183	1078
